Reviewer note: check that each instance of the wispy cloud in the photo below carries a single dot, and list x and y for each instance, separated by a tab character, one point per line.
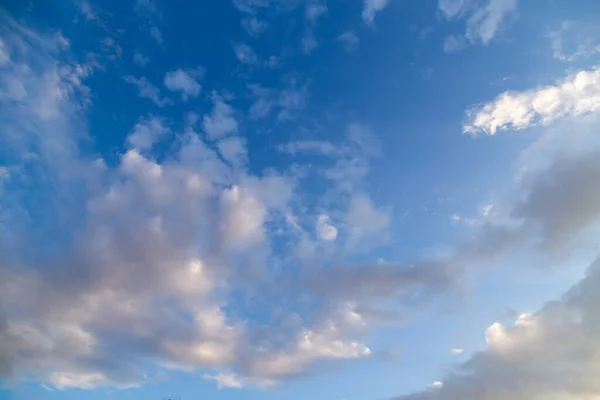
148	90
349	41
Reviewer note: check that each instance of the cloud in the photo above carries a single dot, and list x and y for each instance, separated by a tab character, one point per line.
574	40
148	91
325	229
453	8
485	22
147	132
184	81
86	10
290	98
221	121
454	44
140	59
457	351
309	43
254	26
436	385
576	95
225	380
245	54
315	11
364	219
371	8
550	354
309	146
349	41
149	14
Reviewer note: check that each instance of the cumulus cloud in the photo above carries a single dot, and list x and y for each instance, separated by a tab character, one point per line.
371	8
184	81
577	94
145	250
550	354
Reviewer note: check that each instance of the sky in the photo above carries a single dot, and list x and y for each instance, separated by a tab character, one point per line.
292	199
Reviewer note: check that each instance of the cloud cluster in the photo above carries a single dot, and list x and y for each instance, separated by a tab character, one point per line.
142	264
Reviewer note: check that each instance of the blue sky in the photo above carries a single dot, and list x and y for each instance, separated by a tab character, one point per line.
291	199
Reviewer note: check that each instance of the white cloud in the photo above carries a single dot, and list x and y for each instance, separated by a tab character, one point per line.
322	343
86	10
574	40
453	8
364	218
147	256
484	20
233	150
148	90
245	54
576	95
371	8
290	98
454	44
146	132
245	217
254	26
325	229
309	43
457	351
486	210
221	121
349	41
315	10
4	56
309	146
184	81
225	380
484	23
140	59
455	217
436	385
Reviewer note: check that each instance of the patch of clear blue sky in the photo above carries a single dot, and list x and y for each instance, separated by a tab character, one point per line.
399	82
